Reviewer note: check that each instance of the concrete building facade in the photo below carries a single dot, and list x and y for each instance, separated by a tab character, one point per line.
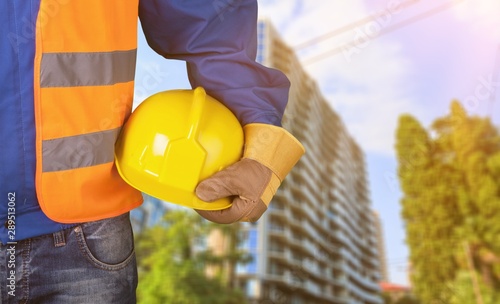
317	242
384	272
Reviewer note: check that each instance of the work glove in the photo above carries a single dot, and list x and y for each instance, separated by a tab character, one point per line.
270	153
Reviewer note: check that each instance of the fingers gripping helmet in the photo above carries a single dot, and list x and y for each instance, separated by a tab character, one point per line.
175	139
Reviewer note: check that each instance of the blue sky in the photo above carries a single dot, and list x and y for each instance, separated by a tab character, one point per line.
398	58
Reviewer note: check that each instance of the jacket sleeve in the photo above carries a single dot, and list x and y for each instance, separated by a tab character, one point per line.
218	40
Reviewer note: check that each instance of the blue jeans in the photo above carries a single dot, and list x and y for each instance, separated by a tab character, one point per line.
90	263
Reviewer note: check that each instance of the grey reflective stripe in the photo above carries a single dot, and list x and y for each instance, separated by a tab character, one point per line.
87	69
79	151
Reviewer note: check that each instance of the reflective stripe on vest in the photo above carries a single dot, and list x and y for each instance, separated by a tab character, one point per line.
84	72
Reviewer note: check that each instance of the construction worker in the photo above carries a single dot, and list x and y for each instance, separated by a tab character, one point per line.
67	70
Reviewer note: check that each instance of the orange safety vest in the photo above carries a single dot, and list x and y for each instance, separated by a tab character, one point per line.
83	74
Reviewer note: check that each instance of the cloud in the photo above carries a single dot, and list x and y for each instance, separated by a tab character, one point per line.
365	79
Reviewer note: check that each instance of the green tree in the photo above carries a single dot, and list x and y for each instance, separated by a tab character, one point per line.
427	207
223	263
386	297
407	300
172	264
450	179
464	291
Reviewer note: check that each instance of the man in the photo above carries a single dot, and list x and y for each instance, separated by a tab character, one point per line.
67	86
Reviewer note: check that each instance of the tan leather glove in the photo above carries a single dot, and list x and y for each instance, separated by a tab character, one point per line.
270	153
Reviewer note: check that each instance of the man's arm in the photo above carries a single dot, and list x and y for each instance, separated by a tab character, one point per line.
218	41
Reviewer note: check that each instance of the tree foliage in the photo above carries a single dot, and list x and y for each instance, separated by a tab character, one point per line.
464	291
450	179
172	264
405	299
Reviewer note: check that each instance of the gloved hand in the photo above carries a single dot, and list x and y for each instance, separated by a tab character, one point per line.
269	155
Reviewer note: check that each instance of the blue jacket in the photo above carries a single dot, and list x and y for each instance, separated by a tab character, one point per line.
215	38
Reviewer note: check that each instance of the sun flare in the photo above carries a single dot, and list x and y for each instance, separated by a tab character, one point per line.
484	15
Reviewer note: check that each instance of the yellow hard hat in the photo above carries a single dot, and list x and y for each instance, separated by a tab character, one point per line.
173	140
